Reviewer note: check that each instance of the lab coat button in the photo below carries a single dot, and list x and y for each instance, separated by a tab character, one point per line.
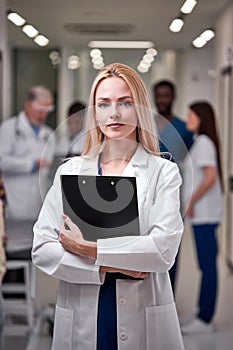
123	336
122	301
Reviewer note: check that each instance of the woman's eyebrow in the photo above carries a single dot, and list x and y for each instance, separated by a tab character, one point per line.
103	98
125	97
119	99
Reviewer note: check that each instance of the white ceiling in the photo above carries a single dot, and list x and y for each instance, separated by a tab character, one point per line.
145	20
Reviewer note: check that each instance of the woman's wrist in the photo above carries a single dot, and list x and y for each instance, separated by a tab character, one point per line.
88	248
192	201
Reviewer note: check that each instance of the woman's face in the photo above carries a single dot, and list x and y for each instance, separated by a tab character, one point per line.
114	109
192	122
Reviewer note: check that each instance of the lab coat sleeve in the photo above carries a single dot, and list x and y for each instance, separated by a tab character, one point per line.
154	250
48	254
10	161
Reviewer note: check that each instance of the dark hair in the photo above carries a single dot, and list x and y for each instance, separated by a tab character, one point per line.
167	83
207	127
76	107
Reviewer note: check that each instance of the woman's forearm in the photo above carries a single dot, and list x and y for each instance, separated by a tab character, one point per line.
135	274
208	181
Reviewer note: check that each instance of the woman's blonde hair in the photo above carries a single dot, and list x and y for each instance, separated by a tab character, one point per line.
147	133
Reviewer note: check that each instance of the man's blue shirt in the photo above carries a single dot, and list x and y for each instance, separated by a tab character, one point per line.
175	139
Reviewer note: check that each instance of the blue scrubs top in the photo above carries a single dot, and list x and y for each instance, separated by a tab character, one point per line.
107	314
175	139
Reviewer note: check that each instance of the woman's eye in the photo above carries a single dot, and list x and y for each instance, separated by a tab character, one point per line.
125	104
103	105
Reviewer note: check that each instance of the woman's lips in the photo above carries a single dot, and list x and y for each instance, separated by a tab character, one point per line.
114	125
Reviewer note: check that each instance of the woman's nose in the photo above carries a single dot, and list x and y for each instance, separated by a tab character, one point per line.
114	111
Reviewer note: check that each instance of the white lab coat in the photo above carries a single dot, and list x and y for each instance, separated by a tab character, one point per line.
146	312
19	148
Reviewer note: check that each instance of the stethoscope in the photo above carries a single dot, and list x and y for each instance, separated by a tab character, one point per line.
18	133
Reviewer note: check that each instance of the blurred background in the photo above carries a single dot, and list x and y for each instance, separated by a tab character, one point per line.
71	40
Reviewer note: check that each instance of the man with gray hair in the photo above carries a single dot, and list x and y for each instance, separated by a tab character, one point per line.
26	151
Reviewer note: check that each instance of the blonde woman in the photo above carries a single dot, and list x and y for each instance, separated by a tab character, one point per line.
115	293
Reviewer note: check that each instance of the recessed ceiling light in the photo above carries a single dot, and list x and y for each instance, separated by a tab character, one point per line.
152	51
16	19
208	34
121	44
73	62
203	38
30	31
176	25
41	40
199	42
188	6
95	53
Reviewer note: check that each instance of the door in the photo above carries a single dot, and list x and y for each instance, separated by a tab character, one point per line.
226	108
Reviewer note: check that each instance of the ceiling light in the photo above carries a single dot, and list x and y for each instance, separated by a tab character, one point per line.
16	19
55	58
208	34
203	38
121	44
148	58
97	59
176	25
152	51
188	6
98	65
142	69
95	53
30	31
73	62
41	40
199	42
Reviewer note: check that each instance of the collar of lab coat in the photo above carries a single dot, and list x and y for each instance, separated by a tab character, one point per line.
25	127
139	160
137	167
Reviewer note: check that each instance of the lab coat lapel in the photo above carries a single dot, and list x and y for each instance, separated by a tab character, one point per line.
138	167
23	125
89	166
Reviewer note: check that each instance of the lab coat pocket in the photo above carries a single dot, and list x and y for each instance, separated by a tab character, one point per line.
162	328
63	327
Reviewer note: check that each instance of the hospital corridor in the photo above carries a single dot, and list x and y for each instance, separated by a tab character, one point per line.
116	175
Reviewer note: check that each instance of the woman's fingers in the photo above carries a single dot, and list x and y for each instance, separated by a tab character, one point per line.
137	274
68	221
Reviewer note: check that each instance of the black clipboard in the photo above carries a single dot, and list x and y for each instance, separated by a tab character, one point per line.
101	206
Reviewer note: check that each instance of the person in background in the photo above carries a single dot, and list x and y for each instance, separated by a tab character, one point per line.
71	144
25	163
174	138
204	208
122	282
173	134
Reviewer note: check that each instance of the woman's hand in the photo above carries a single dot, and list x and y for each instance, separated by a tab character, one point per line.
131	273
72	240
209	179
4	239
189	209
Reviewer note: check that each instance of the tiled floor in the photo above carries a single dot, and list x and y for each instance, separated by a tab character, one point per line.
186	295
